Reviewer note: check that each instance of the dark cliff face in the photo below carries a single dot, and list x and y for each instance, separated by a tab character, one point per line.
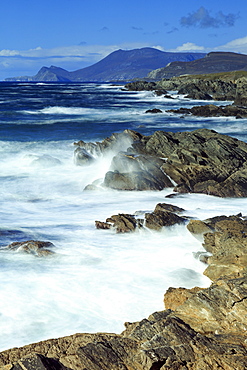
117	66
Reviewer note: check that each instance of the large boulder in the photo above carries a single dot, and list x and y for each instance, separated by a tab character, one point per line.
136	172
203	161
34	247
158	219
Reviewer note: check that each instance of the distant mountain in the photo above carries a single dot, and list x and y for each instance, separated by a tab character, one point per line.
214	62
121	65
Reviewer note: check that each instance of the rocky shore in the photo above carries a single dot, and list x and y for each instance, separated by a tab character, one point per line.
231	86
199	328
200	161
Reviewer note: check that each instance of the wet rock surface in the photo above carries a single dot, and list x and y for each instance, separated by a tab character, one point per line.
34	247
200	161
163	215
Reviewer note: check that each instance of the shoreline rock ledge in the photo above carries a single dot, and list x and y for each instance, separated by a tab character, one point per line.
200	161
199	329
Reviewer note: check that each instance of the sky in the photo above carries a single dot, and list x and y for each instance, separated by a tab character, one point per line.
74	34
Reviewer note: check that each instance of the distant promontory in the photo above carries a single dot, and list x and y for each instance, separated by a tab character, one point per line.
121	65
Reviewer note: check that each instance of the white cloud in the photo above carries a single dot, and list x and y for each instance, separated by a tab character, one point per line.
189	46
91	52
237	46
8	53
28	62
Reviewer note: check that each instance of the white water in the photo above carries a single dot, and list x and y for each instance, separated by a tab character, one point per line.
97	279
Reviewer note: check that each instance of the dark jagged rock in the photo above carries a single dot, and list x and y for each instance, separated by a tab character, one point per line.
158	219
34	247
212	111
140	86
38	362
122	223
201	161
154	110
168	207
164	215
102	225
199	96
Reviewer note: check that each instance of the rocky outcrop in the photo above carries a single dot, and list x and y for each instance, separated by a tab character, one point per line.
212	111
154	110
122	223
201	161
164	215
34	247
231	86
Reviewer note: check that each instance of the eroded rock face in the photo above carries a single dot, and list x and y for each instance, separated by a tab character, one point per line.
201	161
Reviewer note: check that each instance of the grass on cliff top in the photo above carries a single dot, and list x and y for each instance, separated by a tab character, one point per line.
226	76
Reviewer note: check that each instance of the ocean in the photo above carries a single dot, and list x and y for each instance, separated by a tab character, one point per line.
96	280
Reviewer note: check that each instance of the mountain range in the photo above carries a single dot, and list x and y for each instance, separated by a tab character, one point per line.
214	62
145	63
121	65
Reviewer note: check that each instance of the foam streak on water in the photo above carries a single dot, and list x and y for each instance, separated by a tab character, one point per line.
97	279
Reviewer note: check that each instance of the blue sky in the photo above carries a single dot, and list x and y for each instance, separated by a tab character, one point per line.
73	34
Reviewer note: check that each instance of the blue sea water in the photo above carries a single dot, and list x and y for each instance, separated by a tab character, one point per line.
96	280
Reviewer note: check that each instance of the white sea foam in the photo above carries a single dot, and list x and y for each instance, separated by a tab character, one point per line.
97	279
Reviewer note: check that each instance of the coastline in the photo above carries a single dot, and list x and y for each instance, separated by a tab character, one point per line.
199	327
